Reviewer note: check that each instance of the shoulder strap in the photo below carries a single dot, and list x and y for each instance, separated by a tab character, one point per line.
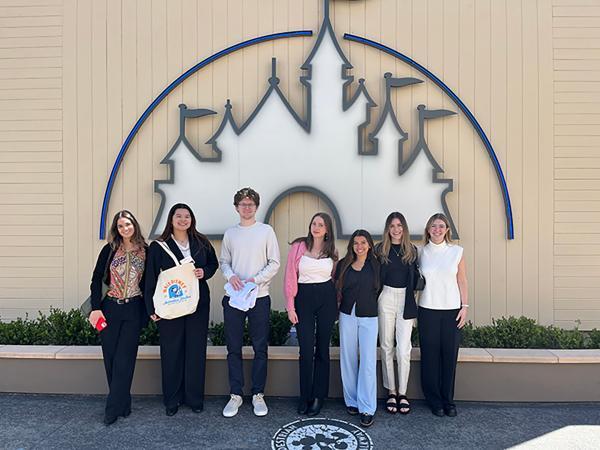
169	252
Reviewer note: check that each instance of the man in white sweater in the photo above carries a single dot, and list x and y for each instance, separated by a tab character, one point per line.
249	253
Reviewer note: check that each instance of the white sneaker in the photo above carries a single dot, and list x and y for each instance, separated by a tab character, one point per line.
232	406
260	407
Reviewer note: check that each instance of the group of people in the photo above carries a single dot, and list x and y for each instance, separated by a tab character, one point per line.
371	291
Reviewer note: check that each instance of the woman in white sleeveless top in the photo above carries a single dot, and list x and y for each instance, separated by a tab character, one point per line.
442	313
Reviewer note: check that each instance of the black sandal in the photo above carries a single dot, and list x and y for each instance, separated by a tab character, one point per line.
391	406
401	405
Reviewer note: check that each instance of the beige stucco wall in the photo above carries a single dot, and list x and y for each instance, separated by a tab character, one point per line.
76	74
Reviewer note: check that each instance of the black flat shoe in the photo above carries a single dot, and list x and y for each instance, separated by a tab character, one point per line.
171	411
197	409
315	407
109	420
450	411
352	410
438	412
126	413
366	420
302	407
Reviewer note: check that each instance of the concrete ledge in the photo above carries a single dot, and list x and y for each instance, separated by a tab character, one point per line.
577	356
509	355
152	352
482	374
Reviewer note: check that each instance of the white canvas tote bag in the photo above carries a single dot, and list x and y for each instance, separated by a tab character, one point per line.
177	291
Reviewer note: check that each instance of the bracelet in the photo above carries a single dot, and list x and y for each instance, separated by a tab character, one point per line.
464	305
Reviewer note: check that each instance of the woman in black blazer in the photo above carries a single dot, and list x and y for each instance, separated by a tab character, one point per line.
120	266
397	308
182	340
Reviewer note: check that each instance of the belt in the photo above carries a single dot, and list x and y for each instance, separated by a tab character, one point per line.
123	301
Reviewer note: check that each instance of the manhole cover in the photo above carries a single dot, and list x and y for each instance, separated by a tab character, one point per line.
320	434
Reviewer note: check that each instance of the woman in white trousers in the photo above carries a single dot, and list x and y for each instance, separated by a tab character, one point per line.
397	308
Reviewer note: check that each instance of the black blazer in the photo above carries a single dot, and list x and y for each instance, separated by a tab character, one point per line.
101	275
158	260
410	305
360	288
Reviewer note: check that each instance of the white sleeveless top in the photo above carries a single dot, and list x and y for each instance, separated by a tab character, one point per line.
312	270
439	266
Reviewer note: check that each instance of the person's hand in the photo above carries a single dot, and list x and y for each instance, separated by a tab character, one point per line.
199	273
95	316
154	317
461	318
236	283
251	280
293	316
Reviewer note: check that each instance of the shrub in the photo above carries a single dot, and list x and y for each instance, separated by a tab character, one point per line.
149	334
335	334
280	328
279	333
71	328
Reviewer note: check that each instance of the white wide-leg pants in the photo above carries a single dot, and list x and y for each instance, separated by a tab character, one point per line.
393	327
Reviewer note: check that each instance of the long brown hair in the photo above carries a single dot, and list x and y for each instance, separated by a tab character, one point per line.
115	239
443	218
192	232
329	250
409	254
351	257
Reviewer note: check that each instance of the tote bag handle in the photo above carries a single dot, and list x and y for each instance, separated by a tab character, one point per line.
169	252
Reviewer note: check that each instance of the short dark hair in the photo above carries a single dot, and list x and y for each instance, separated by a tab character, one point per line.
246	192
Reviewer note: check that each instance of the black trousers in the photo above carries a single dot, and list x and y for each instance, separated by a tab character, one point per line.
259	326
183	357
439	340
316	307
119	348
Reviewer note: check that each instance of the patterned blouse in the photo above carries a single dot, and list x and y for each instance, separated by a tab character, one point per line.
126	270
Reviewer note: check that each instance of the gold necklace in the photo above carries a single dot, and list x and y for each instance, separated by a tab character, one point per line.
394	250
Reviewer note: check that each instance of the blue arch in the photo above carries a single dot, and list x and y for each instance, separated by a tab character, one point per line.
510	232
347	36
161	97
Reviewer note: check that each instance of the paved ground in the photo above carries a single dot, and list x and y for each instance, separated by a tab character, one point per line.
43	421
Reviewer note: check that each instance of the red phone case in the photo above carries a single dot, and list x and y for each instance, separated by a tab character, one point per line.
101	324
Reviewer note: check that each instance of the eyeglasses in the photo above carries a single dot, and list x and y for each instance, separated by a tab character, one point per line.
246	205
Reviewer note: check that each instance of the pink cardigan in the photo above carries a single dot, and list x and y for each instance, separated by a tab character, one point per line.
290	277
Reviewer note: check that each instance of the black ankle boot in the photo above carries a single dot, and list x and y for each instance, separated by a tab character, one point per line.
315	407
302	407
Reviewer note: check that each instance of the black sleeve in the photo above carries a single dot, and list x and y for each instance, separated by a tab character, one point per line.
98	277
212	263
153	267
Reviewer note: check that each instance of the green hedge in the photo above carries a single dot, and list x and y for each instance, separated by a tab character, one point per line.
71	328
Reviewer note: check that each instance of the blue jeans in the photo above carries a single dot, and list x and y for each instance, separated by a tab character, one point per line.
259	325
358	336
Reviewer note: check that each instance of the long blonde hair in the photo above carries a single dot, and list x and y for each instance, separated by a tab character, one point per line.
443	218
409	253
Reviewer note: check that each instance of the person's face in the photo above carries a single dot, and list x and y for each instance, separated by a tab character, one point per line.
125	227
396	230
360	245
437	231
246	208
318	229
182	219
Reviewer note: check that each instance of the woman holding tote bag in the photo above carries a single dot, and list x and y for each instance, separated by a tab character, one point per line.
182	339
120	267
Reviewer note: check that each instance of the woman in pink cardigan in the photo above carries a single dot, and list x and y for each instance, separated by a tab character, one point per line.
312	307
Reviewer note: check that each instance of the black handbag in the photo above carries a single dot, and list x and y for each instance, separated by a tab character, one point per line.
420	279
420	283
